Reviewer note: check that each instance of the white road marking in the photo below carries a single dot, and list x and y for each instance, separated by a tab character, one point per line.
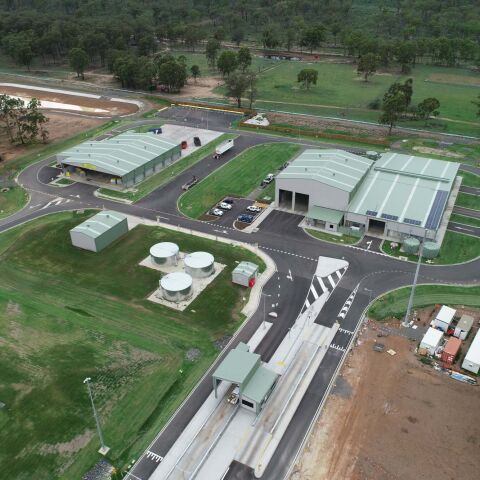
330	279
153	456
369	244
465	229
312	289
320	281
289	276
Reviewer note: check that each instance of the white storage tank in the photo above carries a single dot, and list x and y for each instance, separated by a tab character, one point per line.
176	287
199	264
164	253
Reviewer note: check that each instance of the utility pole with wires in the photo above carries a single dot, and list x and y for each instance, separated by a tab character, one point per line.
103	448
407	319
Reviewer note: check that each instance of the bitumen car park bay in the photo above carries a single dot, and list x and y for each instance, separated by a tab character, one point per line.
370	274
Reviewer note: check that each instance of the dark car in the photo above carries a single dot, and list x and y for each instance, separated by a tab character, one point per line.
197	142
228	200
245	218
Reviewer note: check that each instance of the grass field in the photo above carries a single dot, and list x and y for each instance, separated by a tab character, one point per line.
394	304
474	222
239	177
12	201
165	175
456	248
328	237
468	200
340	92
67	314
470	179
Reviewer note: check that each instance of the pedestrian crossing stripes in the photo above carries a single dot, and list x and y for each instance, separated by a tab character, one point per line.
338	347
347	304
320	285
154	456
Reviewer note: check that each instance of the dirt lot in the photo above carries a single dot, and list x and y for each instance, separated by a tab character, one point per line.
394	418
60	126
112	108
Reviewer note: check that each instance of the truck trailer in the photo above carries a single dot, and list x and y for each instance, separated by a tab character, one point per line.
223	147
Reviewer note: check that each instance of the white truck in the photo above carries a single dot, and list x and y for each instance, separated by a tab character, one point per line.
224	147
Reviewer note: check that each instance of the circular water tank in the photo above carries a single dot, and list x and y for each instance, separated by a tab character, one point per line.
431	249
199	264
164	253
411	245
176	287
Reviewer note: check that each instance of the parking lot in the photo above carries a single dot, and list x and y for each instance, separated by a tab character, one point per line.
239	207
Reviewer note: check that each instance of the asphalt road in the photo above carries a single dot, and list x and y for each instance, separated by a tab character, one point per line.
295	255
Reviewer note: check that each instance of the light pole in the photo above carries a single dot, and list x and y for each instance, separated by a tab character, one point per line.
103	448
264	311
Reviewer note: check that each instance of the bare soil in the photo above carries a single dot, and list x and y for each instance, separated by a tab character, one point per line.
113	108
60	126
438	151
391	417
203	88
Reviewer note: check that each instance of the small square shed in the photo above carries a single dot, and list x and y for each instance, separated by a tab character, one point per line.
245	274
450	351
99	231
431	340
444	318
463	327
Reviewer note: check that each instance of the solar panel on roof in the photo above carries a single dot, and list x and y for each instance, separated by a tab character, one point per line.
386	216
411	221
372	213
437	209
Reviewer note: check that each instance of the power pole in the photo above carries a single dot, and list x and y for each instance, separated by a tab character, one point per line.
103	448
412	292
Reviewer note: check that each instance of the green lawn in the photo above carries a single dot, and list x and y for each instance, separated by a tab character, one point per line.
468	200
12	201
340	92
328	237
267	195
239	177
165	175
474	222
67	314
394	304
470	179
456	248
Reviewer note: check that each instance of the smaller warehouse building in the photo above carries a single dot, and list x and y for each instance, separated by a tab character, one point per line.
472	358
254	380
463	327
431	341
450	351
99	231
124	160
444	318
245	274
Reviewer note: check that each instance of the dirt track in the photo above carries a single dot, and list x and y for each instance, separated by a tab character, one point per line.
394	418
112	108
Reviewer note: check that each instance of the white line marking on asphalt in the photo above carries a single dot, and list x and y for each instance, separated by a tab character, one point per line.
320	281
330	279
339	274
289	276
154	456
312	289
338	347
349	332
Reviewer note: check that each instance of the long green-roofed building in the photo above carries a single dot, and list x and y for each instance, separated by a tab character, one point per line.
99	231
123	160
396	196
244	369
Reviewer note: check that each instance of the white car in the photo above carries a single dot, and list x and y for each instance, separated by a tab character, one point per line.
217	212
269	178
225	206
254	209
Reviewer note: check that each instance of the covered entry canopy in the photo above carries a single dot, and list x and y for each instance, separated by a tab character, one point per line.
325	215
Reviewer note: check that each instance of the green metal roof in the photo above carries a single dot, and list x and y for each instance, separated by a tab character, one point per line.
337	168
118	155
237	365
246	268
325	214
404	187
99	223
260	384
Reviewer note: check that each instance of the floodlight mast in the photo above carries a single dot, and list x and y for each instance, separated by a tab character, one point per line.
103	448
406	320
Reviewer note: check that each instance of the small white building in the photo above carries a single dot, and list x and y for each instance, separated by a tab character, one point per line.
431	340
472	358
463	327
444	318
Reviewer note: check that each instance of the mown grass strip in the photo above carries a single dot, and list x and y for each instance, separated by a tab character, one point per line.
239	177
468	200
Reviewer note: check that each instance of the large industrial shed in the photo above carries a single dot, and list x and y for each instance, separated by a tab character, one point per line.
403	195
99	231
397	196
123	160
244	369
321	184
